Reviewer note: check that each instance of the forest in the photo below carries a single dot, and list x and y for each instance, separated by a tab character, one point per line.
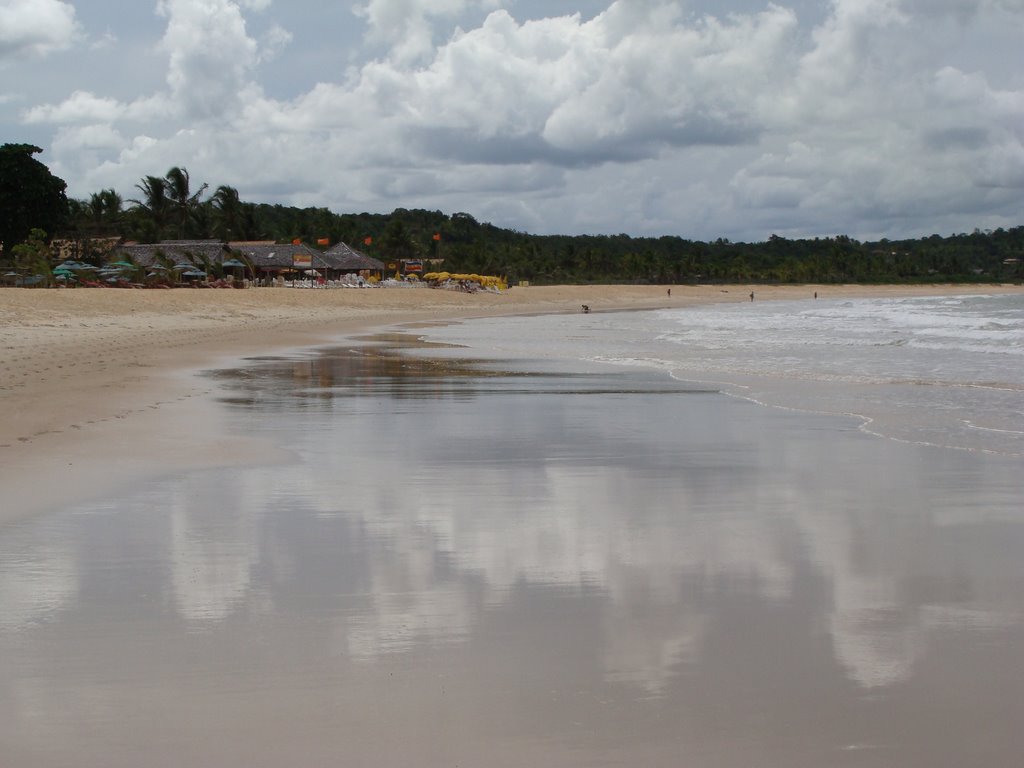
171	207
467	245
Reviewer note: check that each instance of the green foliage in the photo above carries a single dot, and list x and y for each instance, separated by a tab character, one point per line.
30	196
168	209
32	257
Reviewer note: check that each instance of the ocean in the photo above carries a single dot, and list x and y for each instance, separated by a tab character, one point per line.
946	371
771	533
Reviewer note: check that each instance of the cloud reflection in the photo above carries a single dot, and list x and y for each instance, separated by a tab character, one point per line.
214	545
37	583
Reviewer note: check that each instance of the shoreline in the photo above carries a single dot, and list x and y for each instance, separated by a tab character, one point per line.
101	389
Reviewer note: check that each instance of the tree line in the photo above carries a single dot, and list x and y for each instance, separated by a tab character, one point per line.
173	207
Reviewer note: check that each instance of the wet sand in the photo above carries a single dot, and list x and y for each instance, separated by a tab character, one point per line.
95	385
564	569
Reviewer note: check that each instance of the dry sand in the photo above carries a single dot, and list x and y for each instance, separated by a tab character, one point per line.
97	387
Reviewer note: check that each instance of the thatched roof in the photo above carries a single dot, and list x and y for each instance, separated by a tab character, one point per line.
348	259
267	256
275	256
212	251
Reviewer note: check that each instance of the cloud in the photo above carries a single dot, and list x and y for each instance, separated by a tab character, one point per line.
211	56
35	27
619	87
273	43
80	107
643	118
406	25
108	40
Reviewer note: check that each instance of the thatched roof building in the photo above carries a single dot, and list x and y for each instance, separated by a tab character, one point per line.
345	259
265	258
271	258
196	252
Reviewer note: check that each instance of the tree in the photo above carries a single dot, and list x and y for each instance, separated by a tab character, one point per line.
30	196
397	243
183	203
154	207
229	213
107	207
32	257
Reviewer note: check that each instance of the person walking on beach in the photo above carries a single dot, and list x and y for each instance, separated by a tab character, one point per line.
751	295
670	293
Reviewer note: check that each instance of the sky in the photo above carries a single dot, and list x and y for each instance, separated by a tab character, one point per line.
737	119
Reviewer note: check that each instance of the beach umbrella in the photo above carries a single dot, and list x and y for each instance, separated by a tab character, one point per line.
193	273
126	264
73	266
233	263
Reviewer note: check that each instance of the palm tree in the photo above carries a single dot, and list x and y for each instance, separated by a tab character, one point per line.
105	208
228	215
155	206
182	202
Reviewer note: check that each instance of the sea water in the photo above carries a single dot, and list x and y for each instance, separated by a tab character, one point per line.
749	534
939	370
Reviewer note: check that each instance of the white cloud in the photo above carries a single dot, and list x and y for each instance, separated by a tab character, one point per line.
35	26
107	40
80	107
642	118
273	43
211	56
406	25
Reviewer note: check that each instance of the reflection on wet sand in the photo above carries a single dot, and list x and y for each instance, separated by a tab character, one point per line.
38	582
679	572
212	551
555	517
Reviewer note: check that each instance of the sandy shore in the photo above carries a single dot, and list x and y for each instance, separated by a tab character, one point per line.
97	387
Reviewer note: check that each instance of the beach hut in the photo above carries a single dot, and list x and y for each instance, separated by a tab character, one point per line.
270	260
342	259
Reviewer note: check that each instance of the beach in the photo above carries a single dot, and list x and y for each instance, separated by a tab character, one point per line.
393	527
93	376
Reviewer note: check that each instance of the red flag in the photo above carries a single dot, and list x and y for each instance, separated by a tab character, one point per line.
323	241
367	241
437	236
297	241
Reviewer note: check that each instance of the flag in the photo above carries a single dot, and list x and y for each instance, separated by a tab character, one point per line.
437	236
367	241
297	241
323	241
